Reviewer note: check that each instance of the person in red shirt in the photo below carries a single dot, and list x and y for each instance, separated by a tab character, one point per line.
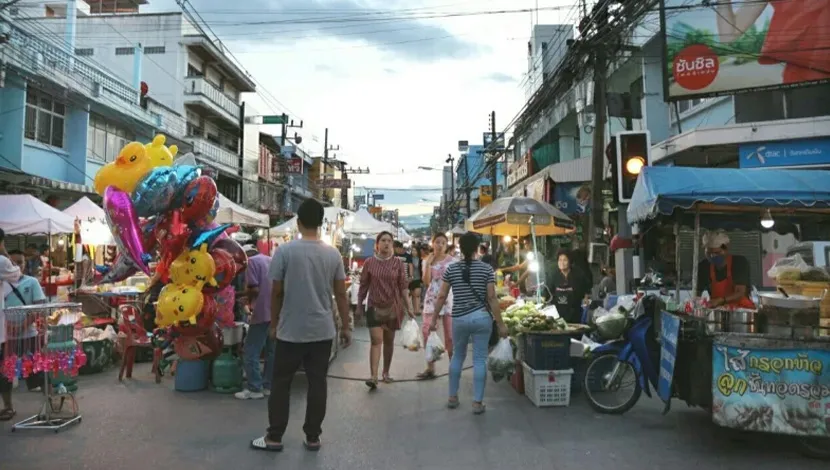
797	35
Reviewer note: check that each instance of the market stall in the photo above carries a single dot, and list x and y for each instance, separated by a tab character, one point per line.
762	368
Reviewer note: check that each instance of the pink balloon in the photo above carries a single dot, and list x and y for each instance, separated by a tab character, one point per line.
123	223
225	300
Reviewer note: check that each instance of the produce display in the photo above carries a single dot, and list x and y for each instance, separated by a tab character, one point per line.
527	317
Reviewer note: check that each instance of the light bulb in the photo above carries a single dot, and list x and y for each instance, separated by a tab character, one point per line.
354	265
363	236
448	234
635	165
531	256
766	220
533	266
507	239
61	242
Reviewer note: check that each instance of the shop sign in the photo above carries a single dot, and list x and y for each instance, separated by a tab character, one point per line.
572	198
485	195
331	183
536	189
785	153
295	165
669	331
776	390
520	170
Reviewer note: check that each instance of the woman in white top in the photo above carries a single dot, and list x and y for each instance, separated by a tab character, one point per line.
8	273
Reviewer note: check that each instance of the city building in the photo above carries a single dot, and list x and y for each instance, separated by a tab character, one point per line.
329	178
63	115
188	80
471	164
272	173
543	58
299	185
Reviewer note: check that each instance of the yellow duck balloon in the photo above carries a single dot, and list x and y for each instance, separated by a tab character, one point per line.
178	303
194	268
160	155
125	172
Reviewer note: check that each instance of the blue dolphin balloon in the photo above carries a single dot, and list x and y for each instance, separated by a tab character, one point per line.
208	236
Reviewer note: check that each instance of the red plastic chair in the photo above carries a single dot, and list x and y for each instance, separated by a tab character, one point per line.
135	336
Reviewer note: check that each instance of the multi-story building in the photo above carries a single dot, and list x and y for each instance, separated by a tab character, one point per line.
543	55
63	115
299	184
472	180
272	174
189	81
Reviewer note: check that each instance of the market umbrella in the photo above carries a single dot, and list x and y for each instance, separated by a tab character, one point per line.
512	216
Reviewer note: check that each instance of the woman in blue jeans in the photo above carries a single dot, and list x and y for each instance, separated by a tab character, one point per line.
475	307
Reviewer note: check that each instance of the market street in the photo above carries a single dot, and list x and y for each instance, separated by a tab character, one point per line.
140	425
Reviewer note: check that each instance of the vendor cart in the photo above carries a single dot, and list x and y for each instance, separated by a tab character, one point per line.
757	370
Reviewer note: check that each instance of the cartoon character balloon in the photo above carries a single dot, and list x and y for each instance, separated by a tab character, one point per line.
120	270
160	154
125	172
178	303
172	235
123	223
162	188
199	199
225	270
194	268
235	250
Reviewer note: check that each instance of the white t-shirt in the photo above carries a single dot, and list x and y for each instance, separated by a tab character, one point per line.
7	268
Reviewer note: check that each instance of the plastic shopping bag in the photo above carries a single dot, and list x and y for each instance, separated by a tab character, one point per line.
411	335
500	362
435	347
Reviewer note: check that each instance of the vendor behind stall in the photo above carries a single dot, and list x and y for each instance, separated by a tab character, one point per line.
723	275
570	288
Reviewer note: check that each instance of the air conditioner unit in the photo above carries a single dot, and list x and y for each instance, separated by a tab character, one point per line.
96	89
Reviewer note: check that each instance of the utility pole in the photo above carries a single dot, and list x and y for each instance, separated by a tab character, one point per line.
467	185
450	210
344	194
494	170
598	156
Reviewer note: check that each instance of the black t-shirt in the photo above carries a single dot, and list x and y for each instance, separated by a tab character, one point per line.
740	274
568	293
407	262
488	259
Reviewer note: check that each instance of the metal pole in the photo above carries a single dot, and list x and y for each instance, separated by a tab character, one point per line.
535	258
677	256
597	162
695	252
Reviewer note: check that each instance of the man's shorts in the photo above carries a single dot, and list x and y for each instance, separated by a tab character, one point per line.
416	284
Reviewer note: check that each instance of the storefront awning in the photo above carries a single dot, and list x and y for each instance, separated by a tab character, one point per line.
661	190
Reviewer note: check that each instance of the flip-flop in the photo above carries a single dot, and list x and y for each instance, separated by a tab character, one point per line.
261	444
372	384
387	379
453	403
425	375
7	414
312	446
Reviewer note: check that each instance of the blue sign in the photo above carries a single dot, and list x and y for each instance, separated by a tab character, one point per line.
669	331
785	153
572	198
782	391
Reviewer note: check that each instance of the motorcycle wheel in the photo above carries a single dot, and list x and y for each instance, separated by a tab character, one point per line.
599	367
815	447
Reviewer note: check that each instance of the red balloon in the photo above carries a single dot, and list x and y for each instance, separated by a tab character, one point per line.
209	311
172	235
235	249
148	235
199	198
225	270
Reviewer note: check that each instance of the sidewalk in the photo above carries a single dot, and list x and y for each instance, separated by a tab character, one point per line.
139	425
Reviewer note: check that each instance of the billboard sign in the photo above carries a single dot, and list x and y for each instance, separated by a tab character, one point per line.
729	47
572	198
295	165
787	153
330	183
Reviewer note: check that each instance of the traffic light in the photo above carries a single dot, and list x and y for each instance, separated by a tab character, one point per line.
631	156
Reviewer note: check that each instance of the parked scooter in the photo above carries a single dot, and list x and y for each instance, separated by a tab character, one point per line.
632	360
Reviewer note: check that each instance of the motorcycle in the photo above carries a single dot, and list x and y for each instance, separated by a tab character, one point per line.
636	355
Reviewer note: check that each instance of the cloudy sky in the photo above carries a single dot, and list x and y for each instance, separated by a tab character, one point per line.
398	83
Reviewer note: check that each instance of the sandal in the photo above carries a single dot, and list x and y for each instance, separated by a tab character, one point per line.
479	408
7	414
452	403
372	384
386	379
426	375
261	444
312	445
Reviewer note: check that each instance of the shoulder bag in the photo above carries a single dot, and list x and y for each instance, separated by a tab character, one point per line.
494	331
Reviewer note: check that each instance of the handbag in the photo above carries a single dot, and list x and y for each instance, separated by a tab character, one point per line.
494	330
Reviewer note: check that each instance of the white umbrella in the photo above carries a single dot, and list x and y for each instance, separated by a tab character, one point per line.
232	213
24	214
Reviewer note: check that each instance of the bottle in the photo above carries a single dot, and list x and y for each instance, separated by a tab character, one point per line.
499	278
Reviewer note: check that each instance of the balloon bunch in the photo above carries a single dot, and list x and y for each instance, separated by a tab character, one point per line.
68	362
157	206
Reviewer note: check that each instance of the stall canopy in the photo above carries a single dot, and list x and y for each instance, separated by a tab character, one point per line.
330	215
232	213
94	228
24	214
661	190
363	222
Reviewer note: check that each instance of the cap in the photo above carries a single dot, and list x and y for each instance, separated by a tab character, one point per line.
248	248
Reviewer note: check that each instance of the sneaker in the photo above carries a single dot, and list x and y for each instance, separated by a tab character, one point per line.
266	392
249	395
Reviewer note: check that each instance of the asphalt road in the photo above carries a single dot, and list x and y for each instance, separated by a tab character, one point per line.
138	425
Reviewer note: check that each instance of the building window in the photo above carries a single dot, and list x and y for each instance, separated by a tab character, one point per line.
686	105
44	118
154	50
544	46
85	52
193	71
124	50
105	139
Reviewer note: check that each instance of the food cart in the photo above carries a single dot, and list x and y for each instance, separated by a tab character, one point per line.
759	370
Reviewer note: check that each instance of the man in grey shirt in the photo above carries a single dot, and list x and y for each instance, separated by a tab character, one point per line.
306	274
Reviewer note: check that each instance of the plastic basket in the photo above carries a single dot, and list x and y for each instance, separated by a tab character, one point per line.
546	351
547	387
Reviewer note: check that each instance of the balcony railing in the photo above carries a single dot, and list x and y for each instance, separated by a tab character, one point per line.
168	121
216	154
200	86
41	57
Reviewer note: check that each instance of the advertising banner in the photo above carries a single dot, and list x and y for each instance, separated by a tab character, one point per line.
783	391
669	332
729	46
810	152
572	198
295	165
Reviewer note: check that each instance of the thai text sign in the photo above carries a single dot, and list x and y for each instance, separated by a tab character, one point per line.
669	330
295	165
783	391
334	183
807	152
724	47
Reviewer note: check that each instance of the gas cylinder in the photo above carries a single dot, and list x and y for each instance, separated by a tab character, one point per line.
227	372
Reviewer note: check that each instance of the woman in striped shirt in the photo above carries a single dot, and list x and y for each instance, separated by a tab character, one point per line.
383	279
475	307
